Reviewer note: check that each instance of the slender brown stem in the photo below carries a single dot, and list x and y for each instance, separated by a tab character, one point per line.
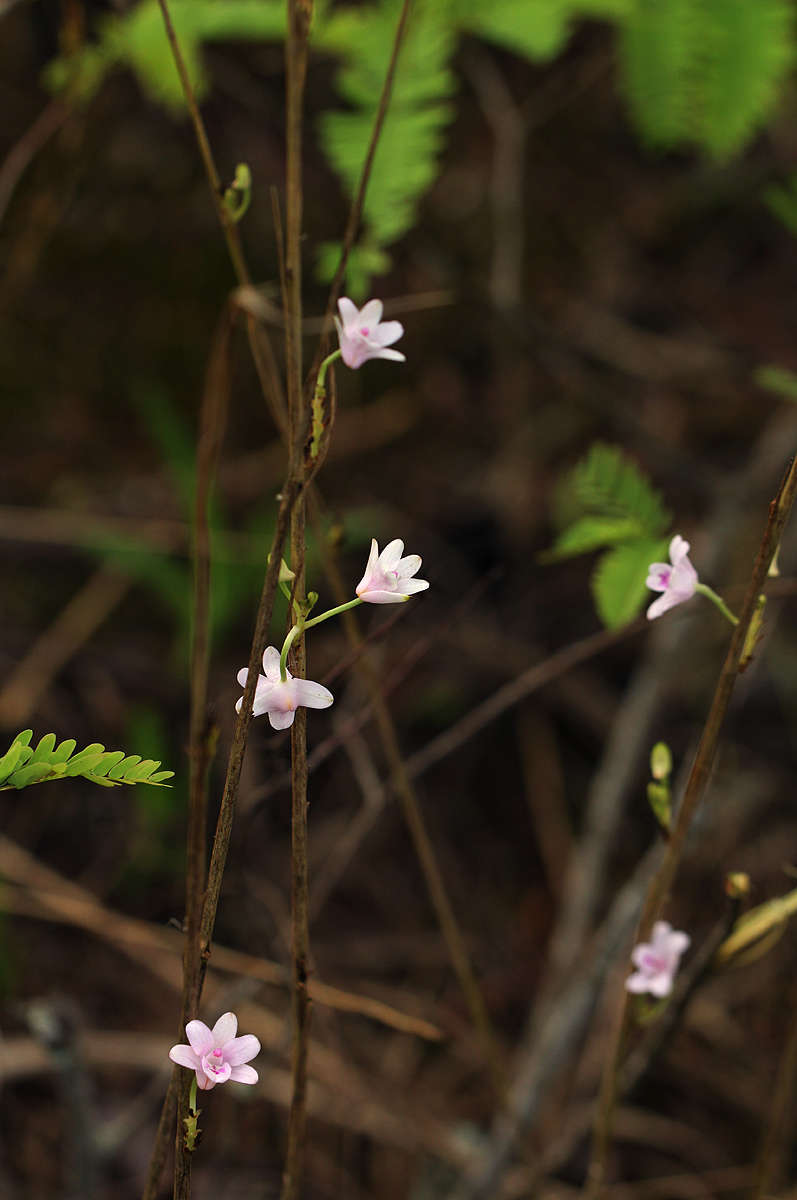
259	343
299	18
694	792
212	422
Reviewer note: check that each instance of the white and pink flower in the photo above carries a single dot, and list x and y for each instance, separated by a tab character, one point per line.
388	577
657	961
676	580
217	1054
279	698
363	334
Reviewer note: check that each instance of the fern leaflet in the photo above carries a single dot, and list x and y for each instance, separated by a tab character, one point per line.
23	765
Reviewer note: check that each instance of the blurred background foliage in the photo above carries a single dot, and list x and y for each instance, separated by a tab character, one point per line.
583	213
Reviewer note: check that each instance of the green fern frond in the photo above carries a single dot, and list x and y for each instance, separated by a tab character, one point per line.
661	47
405	163
22	765
750	51
537	29
137	39
705	72
609	485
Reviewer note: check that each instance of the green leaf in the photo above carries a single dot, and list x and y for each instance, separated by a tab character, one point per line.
43	752
17	752
705	72
607	483
406	159
590	533
778	380
106	763
618	581
31	773
749	51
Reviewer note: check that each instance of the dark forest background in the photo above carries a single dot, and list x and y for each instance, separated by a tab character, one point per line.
564	283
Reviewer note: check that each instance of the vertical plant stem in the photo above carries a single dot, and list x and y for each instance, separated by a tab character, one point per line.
259	342
299	17
212	422
694	792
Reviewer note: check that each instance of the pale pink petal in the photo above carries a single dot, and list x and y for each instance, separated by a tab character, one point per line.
242	676
271	664
393	355
184	1056
370	315
659	576
244	1075
348	311
388	333
666	601
199	1036
281	720
310	694
241	1049
408	566
379	597
679	548
391	555
411	586
263	697
636	983
225	1029
678	943
660	985
203	1083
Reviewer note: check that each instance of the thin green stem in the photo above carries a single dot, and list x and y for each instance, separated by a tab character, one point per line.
322	371
711	595
286	645
333	612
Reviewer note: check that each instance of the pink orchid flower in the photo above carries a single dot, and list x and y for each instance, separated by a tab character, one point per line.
677	579
217	1054
388	576
363	334
657	961
280	698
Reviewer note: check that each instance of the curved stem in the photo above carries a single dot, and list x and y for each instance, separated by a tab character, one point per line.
711	595
332	612
286	645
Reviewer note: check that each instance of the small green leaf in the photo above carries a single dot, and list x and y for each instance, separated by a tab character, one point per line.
123	766
108	761
63	751
43	751
777	379
32	773
592	532
618	582
11	759
93	752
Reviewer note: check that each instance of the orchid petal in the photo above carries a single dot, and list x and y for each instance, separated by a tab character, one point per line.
241	1049
184	1056
199	1036
370	315
244	1074
225	1029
